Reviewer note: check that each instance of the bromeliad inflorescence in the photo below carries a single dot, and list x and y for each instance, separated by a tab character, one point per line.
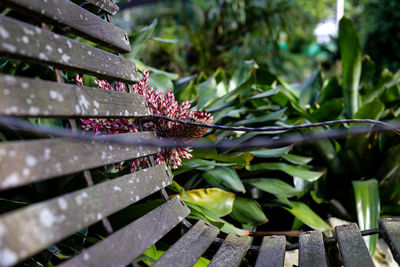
159	104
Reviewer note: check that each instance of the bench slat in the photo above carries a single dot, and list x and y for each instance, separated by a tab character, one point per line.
106	5
352	246
187	250
70	17
272	252
28	230
24	41
24	162
311	250
390	230
232	251
131	241
37	98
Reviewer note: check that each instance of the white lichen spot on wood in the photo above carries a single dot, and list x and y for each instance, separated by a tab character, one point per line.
96	104
28	31
157	188
83	102
163	184
77	109
47	152
54	95
25	39
6	92
65	58
30	160
42	56
79	198
49	48
86	256
26	171
47	218
137	198
58	168
8	257
69	44
34	111
11	180
4	33
9	47
60	50
89	53
95	112
62	203
25	85
117	188
99	216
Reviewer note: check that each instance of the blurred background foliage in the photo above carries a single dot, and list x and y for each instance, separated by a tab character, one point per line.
259	63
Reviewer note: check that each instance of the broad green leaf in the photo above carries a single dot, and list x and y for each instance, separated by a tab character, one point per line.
311	89
207	91
273	186
248	211
240	159
225	178
302	212
331	90
189	93
367	70
296	159
329	110
268	93
199	164
241	74
368	209
161	81
350	51
215	199
170	75
296	171
139	39
268	117
271	152
371	110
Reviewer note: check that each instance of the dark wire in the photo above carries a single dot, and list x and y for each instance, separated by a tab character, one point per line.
256	142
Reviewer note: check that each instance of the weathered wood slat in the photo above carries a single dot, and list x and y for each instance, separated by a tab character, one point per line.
72	18
390	230
311	250
231	252
106	5
24	41
37	98
131	241
187	250
28	230
352	246
26	162
272	252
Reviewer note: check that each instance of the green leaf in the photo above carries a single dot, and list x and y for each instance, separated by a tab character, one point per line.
302	212
368	69
371	110
368	208
350	50
161	82
268	93
240	159
271	152
139	39
329	110
215	199
248	211
331	90
199	164
225	178
259	119
311	89
296	171
273	186
296	159
207	91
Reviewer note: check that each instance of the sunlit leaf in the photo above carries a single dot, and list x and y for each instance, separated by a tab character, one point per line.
271	152
215	199
302	212
350	51
273	186
368	209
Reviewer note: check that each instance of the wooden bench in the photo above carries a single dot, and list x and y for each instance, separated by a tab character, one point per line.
29	230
